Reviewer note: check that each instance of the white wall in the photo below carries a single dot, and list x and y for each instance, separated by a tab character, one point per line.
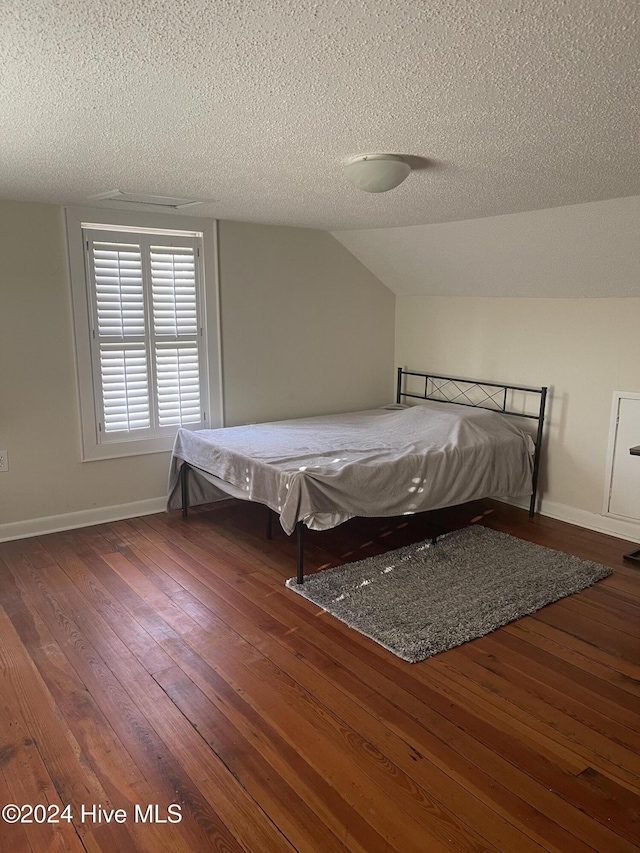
546	297
584	349
306	329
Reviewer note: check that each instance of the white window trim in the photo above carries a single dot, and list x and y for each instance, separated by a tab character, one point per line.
90	449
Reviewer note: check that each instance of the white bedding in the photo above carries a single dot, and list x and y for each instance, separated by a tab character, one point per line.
383	462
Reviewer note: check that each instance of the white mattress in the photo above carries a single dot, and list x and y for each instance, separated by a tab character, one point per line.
383	462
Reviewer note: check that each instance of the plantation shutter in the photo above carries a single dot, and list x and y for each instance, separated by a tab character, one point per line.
175	332
146	333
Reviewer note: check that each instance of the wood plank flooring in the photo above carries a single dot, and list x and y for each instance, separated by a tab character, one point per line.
162	662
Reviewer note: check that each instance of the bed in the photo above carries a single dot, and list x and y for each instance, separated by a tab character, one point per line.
445	441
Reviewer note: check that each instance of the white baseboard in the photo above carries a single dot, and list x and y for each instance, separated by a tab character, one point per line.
619	527
629	530
84	518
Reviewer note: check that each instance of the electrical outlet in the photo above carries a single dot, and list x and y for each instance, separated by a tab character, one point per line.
4	460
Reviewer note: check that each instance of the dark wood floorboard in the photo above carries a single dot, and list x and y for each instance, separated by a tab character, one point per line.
161	661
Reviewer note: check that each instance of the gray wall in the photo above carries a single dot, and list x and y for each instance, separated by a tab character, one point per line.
305	328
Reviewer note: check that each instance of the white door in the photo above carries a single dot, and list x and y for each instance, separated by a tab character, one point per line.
624	495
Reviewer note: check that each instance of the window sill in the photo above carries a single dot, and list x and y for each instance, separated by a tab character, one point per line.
122	449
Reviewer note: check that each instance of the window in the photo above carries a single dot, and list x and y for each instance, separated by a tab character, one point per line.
146	332
141	327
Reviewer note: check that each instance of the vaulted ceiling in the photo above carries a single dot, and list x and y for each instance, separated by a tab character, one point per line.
501	105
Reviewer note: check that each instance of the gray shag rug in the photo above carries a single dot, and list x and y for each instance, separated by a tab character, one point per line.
422	599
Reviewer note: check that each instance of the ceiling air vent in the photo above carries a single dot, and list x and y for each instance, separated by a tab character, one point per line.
161	201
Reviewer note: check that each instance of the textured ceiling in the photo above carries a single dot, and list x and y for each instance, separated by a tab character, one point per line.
507	105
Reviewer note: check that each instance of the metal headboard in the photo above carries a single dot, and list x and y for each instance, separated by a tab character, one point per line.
479	394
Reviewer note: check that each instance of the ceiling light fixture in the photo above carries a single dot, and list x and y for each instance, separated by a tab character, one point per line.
377	173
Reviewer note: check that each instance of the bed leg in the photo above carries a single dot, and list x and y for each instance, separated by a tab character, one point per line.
537	453
184	488
300	551
269	523
434	540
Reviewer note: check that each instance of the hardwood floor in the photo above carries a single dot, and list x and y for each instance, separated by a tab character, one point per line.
162	661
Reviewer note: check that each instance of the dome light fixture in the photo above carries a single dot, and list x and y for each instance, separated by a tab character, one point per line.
377	173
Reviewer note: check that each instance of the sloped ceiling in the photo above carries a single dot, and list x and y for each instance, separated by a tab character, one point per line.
576	251
502	105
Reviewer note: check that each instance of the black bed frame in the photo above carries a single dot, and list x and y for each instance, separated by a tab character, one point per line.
494	396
